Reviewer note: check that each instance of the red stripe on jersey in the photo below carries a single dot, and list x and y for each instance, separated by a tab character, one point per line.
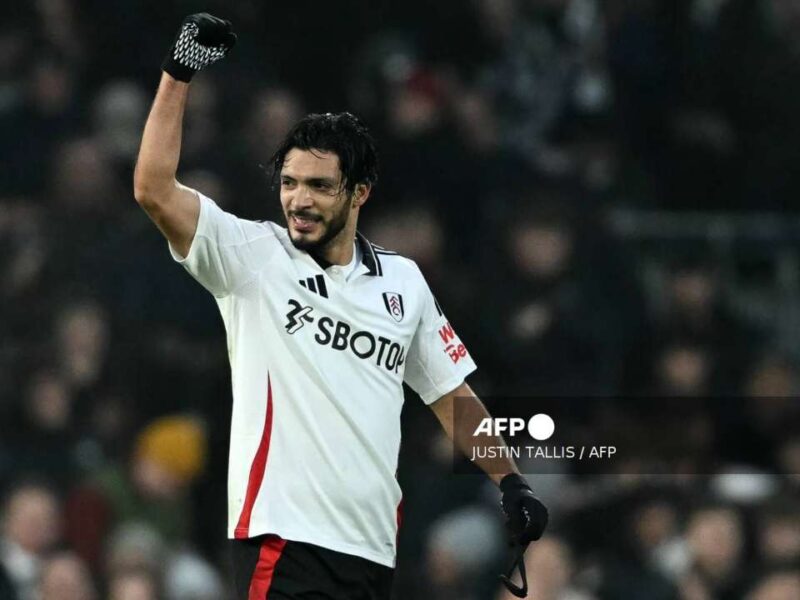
399	520
256	471
271	550
399	513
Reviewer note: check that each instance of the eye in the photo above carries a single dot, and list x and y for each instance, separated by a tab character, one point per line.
286	182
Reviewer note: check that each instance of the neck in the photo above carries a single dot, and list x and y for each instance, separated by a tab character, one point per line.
339	251
339	256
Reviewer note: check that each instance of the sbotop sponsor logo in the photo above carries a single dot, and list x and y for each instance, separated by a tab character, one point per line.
341	336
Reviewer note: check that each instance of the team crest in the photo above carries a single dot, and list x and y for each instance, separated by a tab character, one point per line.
394	305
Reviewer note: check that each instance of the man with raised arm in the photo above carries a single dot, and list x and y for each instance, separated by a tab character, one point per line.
323	328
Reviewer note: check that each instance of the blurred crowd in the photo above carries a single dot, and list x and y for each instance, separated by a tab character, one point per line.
510	131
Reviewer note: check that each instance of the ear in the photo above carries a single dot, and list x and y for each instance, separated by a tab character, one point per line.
360	194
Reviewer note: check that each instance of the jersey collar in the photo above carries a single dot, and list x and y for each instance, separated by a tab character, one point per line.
369	258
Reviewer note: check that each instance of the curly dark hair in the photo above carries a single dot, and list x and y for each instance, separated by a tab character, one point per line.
343	134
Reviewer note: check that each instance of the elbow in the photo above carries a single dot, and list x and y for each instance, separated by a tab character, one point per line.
143	196
142	191
147	190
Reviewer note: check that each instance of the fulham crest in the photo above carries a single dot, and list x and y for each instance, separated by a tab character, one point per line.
394	305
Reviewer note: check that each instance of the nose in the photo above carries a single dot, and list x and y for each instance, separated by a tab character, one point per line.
302	198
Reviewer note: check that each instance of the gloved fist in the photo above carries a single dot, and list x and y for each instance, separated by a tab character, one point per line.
526	516
202	40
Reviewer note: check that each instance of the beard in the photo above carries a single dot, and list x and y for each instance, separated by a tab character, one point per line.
330	228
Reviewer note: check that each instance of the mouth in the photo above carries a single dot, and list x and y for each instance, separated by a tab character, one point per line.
304	223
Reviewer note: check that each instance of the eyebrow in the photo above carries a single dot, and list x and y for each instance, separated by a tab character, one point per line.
310	180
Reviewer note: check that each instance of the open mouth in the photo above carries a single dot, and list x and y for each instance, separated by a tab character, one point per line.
304	223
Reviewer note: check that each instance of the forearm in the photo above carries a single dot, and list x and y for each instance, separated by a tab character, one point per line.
471	413
496	463
160	149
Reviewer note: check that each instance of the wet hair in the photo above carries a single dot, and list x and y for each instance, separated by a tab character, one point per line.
342	134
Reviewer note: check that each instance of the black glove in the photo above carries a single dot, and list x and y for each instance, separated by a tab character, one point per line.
202	40
526	516
526	519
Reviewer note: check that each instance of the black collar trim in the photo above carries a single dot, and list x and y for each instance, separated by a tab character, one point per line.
368	255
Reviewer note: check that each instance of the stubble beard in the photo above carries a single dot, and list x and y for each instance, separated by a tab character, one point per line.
332	228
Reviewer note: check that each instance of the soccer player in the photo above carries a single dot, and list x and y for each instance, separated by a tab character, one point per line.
323	328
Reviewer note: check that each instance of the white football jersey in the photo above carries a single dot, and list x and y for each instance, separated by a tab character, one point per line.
317	366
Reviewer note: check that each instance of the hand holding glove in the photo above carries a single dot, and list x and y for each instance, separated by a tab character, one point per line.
202	40
526	516
526	519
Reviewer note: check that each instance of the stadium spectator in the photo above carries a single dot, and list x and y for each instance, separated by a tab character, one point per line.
778	533
168	455
46	414
715	537
133	585
65	577
781	585
513	133
552	561
460	547
31	528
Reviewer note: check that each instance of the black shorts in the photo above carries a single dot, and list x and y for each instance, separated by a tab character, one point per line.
271	568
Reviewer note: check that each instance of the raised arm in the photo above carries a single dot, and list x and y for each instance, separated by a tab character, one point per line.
175	208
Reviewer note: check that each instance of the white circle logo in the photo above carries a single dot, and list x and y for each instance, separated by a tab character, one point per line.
541	427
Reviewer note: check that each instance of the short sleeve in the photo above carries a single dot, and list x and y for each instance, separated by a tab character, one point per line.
438	362
224	252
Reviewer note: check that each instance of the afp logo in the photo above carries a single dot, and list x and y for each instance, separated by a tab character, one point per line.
394	305
540	426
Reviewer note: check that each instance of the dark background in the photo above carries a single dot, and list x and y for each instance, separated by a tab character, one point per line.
602	195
